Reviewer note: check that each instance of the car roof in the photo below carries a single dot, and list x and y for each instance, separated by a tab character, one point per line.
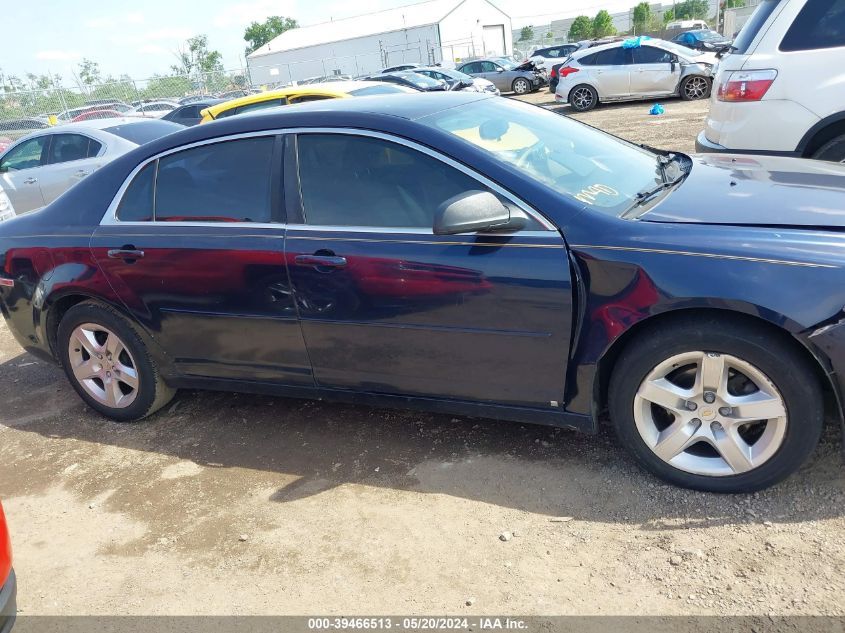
652	41
336	89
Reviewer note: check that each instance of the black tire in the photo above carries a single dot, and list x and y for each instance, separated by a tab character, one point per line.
691	88
833	150
521	86
152	392
583	98
780	361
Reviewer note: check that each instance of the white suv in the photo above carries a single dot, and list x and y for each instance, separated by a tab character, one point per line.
781	90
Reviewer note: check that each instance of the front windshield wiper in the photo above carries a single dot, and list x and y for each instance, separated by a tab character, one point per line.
664	163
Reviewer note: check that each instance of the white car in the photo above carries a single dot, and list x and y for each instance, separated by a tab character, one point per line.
781	90
37	169
153	109
638	68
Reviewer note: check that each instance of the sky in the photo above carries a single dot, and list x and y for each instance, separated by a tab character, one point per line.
140	38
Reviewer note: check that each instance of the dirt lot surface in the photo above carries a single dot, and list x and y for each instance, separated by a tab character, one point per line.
675	129
228	503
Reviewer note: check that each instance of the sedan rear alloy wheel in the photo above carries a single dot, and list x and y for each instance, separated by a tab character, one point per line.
108	363
103	366
710	414
521	86
583	98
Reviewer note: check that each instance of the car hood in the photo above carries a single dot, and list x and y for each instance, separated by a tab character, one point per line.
757	191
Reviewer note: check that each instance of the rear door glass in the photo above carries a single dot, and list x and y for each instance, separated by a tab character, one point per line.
613	57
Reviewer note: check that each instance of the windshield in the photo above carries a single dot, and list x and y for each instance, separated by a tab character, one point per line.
706	36
573	159
419	80
680	50
505	63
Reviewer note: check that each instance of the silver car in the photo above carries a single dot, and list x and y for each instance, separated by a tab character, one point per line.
505	75
38	168
634	69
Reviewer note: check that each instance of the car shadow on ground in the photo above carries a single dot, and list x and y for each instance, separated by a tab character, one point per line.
319	446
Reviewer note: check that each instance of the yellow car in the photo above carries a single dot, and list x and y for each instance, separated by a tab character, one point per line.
300	94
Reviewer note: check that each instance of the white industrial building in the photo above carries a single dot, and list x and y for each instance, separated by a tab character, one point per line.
427	32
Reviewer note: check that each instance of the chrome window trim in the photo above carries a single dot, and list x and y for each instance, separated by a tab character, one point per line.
110	217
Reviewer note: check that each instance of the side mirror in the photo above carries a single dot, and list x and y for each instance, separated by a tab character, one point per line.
475	211
499	69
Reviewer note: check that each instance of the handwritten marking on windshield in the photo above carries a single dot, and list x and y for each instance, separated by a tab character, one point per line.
589	194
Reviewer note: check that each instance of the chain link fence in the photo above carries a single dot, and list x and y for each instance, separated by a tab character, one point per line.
65	101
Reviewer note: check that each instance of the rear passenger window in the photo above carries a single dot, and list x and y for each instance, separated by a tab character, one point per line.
220	182
588	60
651	55
820	24
70	147
613	57
137	202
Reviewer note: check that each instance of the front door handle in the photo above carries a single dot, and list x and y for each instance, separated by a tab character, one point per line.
82	172
125	254
321	261
30	181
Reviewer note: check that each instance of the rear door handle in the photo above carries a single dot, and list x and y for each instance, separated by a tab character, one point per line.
125	253
321	261
82	172
30	181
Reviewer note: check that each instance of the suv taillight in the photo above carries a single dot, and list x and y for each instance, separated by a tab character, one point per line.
746	85
567	70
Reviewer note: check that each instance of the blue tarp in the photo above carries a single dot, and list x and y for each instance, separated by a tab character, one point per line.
635	42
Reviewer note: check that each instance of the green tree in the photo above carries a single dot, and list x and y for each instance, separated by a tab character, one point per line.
89	72
258	34
603	24
642	17
732	4
195	57
668	16
581	29
526	34
692	10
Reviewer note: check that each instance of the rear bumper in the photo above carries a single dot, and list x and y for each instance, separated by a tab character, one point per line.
8	603
703	145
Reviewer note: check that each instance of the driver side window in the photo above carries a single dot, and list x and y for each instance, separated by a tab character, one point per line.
488	67
374	183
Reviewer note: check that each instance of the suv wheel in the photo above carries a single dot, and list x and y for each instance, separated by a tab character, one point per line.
833	150
583	98
695	87
108	364
716	407
521	86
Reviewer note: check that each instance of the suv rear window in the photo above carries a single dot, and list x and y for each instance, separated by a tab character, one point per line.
753	26
820	24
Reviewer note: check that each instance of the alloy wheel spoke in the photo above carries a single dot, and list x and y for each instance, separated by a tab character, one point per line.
712	374
675	438
665	394
88	341
113	346
85	370
756	406
734	450
128	375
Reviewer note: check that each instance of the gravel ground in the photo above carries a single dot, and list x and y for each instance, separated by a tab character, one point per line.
226	503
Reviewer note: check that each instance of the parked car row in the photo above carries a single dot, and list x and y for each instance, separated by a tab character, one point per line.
633	69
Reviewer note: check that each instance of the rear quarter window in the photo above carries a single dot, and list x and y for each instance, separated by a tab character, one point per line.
820	24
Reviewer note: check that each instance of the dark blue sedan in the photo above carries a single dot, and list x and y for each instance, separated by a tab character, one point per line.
457	253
